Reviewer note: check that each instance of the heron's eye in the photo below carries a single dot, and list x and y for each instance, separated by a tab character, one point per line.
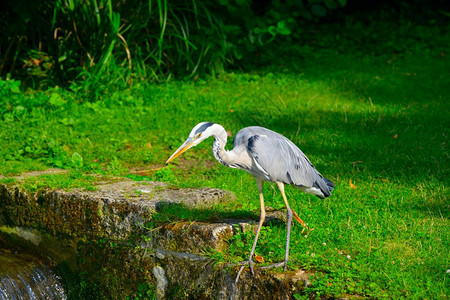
198	135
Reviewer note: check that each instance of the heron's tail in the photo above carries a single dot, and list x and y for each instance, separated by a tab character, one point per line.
330	184
326	186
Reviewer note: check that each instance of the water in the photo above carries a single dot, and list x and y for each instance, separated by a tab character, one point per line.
23	276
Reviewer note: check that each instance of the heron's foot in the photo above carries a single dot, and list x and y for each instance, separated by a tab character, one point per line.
276	265
243	264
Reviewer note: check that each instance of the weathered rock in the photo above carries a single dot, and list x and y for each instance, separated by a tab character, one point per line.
114	210
103	234
190	237
161	282
213	282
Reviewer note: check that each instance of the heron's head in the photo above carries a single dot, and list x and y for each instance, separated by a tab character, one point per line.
199	133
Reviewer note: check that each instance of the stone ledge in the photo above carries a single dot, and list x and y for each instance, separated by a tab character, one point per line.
104	227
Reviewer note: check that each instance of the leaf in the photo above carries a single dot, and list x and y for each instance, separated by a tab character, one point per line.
259	258
342	2
14	86
77	160
331	4
8	117
71	5
273	30
395	136
19	108
283	28
318	10
305	14
351	184
56	100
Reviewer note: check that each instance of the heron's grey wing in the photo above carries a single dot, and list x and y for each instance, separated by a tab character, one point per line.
283	161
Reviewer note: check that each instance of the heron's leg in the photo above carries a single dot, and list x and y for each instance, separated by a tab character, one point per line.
262	217
261	221
289	220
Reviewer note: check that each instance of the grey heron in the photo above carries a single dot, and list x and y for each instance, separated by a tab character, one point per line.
268	156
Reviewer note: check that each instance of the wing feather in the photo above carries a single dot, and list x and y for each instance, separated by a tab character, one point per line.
281	160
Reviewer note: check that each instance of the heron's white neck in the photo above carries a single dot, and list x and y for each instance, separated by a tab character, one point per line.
218	148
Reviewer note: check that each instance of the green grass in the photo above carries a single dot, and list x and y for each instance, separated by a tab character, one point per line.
381	120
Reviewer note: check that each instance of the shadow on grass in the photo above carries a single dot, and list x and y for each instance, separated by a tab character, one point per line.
174	212
398	147
389	118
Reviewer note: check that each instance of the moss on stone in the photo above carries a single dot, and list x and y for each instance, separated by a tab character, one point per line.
112	255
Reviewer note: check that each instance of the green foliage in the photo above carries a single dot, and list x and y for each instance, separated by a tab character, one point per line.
164	174
9	97
94	41
74	40
109	44
145	291
251	27
73	179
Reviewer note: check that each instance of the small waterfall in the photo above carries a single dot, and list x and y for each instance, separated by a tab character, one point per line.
23	276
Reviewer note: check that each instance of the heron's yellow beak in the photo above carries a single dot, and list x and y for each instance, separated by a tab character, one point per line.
186	145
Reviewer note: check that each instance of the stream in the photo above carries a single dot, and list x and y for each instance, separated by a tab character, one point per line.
24	276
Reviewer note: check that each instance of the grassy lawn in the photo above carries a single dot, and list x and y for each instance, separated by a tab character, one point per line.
379	119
